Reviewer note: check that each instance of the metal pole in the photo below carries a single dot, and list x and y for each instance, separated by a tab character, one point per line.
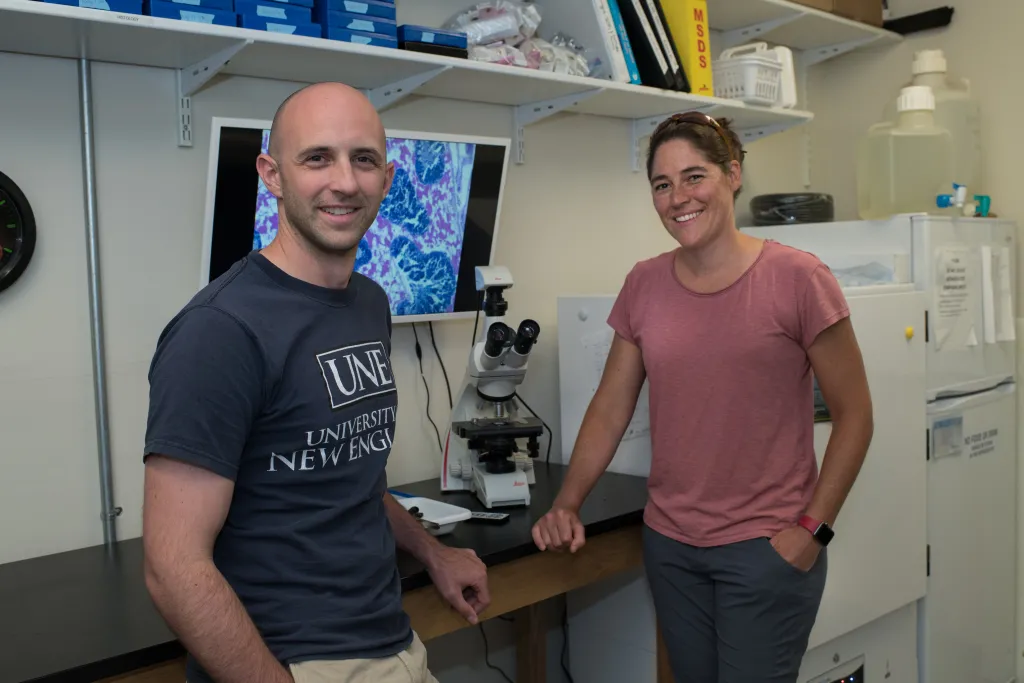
108	513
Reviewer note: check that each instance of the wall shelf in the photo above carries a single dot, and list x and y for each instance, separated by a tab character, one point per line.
787	23
199	51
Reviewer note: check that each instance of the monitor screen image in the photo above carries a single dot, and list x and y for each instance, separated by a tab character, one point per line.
437	223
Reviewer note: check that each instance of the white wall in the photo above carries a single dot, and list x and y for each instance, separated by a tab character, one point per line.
575	220
49	490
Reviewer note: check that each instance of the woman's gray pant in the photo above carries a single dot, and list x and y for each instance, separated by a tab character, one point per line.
737	613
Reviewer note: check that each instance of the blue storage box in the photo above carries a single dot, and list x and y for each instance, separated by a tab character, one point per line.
275	26
380	40
200	15
275	11
126	6
362	23
216	4
370	8
408	33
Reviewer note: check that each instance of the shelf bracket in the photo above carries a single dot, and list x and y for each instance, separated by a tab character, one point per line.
642	128
384	96
820	54
526	114
192	78
751	134
739	36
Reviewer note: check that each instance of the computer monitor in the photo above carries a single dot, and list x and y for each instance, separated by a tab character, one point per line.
437	224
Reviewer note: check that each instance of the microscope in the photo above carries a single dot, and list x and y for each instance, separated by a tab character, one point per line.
482	448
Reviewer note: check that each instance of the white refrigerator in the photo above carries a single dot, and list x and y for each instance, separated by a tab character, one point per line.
968	617
967	270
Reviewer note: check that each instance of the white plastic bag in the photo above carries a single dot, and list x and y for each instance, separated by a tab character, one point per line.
498	54
508	21
544	56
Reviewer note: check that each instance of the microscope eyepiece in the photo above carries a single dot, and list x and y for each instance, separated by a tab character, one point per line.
526	337
499	335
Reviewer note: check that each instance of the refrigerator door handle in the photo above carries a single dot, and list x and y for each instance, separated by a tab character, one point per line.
953	403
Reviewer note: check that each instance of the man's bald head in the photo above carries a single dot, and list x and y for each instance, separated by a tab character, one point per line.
344	96
327	165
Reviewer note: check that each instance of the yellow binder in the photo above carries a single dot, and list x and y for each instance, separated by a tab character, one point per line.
688	23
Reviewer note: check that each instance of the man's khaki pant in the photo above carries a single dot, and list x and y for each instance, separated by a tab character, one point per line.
408	666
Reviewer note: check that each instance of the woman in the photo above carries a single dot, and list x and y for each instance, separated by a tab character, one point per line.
728	329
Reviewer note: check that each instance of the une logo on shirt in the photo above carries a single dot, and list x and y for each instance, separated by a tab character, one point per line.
355	372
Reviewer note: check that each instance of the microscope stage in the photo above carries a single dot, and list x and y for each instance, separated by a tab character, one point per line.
488	427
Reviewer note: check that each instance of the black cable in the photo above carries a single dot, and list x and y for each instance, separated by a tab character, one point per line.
437	353
487	656
565	641
547	457
472	342
419	356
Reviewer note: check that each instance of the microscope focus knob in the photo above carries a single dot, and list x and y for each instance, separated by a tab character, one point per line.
455	469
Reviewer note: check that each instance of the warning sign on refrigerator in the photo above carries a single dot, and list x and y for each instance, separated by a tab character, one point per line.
956	282
948	439
981	443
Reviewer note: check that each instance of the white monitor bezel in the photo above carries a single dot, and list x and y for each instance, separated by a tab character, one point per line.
219	122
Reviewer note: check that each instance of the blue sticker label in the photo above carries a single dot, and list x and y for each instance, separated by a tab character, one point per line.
947	437
280	28
271	12
199	17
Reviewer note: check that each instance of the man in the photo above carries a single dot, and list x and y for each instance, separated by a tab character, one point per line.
269	534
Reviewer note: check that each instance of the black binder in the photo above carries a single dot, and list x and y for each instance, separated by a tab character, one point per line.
656	15
650	61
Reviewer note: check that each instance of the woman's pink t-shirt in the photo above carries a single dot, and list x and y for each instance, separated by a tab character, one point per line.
731	392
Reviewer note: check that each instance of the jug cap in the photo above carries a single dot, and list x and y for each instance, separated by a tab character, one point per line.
916	98
929	62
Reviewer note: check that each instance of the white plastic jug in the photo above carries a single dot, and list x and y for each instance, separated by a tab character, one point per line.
956	110
903	167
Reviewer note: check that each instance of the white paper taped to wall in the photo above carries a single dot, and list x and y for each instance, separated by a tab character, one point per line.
597	346
956	281
1006	327
997	295
988	296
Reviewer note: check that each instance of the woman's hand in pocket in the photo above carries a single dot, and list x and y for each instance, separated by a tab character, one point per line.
797	546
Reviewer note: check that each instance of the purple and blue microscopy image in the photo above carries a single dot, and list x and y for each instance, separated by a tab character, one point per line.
414	246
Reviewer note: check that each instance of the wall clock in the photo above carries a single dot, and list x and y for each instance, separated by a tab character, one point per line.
17	232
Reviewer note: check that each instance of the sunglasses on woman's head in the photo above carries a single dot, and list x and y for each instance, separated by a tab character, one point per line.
702	119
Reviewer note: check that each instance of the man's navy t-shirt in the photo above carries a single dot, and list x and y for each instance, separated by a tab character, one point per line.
286	388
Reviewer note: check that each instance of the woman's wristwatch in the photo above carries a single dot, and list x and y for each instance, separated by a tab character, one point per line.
821	531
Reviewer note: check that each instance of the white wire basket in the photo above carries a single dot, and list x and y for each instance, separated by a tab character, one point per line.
749	73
